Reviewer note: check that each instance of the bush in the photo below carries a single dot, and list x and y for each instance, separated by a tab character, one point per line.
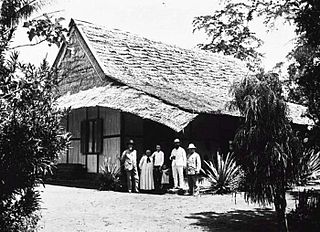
20	212
110	178
224	174
31	139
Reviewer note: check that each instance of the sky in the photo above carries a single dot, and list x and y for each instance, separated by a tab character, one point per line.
168	21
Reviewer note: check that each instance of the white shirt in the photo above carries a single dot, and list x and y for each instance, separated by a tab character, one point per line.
194	163
158	157
181	157
131	155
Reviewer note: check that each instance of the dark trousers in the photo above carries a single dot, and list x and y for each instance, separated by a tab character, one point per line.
132	180
157	177
193	184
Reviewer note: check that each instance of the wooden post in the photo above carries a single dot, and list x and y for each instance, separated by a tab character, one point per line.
98	116
67	160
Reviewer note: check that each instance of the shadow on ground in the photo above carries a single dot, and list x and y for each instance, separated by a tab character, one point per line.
238	220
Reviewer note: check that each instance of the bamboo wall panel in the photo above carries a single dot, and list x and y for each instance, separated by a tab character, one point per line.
92	163
92	112
111	121
75	118
75	157
111	150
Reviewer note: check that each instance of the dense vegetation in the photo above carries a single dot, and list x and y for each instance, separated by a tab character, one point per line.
266	146
31	137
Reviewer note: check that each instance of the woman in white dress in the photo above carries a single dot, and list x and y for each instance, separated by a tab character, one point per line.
146	176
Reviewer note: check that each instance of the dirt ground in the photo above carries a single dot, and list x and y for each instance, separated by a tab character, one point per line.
74	209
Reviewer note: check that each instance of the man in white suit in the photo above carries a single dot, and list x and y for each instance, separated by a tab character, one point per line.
179	162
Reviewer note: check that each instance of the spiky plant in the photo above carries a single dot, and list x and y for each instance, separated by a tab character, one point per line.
309	166
224	174
110	175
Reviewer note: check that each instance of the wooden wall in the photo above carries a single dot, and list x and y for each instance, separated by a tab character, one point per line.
111	137
210	133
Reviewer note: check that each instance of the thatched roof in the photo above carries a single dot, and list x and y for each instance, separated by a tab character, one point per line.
166	81
194	80
129	100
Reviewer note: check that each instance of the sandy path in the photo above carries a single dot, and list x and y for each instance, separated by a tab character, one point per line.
75	209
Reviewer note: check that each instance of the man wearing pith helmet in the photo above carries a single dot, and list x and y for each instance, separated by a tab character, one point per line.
193	169
129	161
179	162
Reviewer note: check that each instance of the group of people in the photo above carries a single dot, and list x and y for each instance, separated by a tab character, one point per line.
154	174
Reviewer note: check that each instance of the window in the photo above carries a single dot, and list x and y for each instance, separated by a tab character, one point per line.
91	136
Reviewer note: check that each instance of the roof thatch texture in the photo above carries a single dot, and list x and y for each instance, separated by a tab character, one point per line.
164	83
129	100
194	80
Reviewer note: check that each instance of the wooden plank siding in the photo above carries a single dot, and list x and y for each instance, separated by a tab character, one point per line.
111	137
64	156
75	157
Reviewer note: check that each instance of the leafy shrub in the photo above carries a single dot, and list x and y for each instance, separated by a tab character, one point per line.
20	212
110	178
31	139
224	174
306	215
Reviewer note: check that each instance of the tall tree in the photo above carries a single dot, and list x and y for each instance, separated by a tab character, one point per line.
263	142
31	137
229	26
304	71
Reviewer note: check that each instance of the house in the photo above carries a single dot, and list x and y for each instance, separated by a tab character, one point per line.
121	86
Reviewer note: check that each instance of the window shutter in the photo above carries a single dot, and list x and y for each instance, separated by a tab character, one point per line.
98	135
84	137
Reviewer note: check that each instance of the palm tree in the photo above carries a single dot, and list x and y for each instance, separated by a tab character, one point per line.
262	143
11	14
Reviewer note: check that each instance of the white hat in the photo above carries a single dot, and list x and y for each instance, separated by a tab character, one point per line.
176	141
191	146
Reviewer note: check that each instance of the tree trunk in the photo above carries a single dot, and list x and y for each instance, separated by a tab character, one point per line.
280	204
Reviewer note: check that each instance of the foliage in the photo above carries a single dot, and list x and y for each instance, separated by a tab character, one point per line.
309	166
46	28
230	33
224	173
19	213
31	137
264	140
110	178
229	30
305	217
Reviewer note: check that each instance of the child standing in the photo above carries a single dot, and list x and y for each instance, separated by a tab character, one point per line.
165	177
